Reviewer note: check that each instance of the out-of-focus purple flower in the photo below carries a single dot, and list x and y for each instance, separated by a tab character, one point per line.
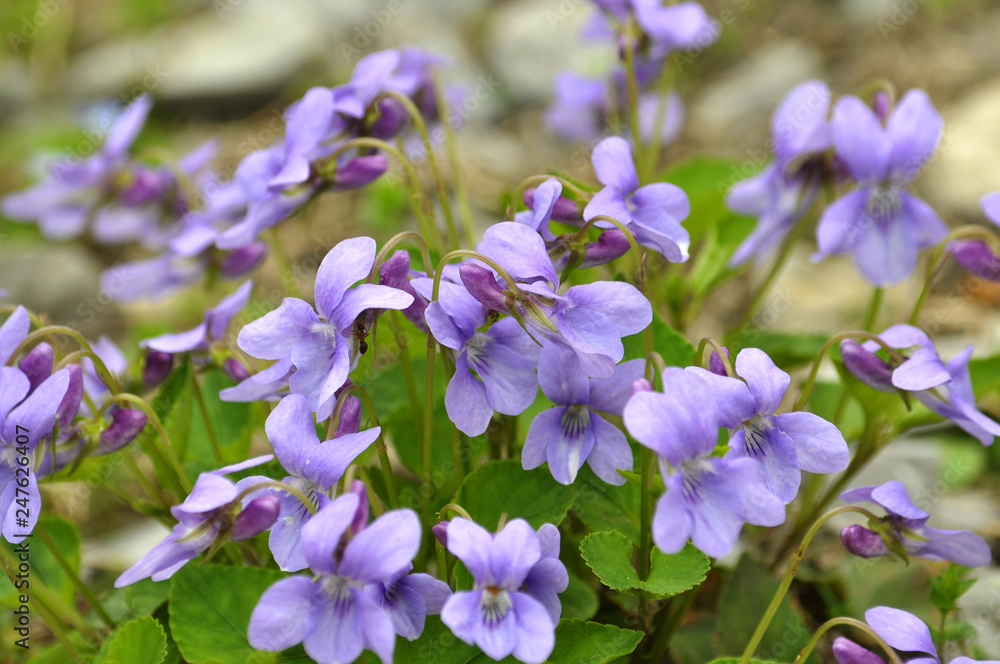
905	523
235	369
494	370
579	110
334	614
902	631
944	388
653	212
498	615
783	445
866	366
157	368
13	331
208	513
573	432
975	255
313	466
211	330
671	28
883	224
589	319
323	346
151	278
782	193
708	498
25	419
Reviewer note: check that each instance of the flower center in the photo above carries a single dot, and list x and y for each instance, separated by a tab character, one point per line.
755	437
308	489
575	420
338	589
883	203
476	346
495	604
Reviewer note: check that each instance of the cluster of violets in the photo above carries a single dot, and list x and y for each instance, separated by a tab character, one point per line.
510	320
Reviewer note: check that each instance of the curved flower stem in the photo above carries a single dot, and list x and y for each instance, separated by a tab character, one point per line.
518	194
786	580
632	83
852	622
457	509
461	195
383	452
166	457
213	439
936	261
804	395
48	332
469	253
391	244
442	190
67	569
281	486
719	350
428	433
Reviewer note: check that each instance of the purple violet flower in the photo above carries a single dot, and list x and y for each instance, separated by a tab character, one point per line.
944	388
783	445
902	631
497	614
314	467
494	370
708	498
205	516
573	432
13	331
905	523
881	221
25	419
976	256
333	613
782	193
323	346
653	212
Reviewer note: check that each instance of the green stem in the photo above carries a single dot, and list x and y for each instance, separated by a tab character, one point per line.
442	190
213	439
380	446
84	589
786	580
942	641
451	146
873	308
664	632
170	459
665	86
825	627
51	330
428	438
632	85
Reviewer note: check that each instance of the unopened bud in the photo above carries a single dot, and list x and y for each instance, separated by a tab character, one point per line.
240	261
158	365
259	515
483	286
863	542
37	364
866	366
126	424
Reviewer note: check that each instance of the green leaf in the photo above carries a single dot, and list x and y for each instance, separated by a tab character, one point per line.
579	642
436	645
603	506
173	404
745	599
210	609
949	587
959	631
140	641
609	554
787	349
579	600
500	487
135	600
44	566
673	346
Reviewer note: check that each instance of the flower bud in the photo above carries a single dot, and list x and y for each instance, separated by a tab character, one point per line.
611	245
641	385
976	257
440	531
392	119
565	209
846	651
157	368
863	542
360	171
483	286
259	515
360	519
866	366
395	272
37	364
235	369
715	363
70	404
240	261
350	418
126	424
147	185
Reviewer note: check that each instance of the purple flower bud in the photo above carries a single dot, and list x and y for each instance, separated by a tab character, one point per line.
395	272
147	186
440	531
881	105
350	418
70	404
37	364
641	385
846	651
863	542
866	366
235	369
976	257
611	245
126	424
392	119
240	261
483	286
360	519
259	515
715	364
565	209
157	367
360	171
